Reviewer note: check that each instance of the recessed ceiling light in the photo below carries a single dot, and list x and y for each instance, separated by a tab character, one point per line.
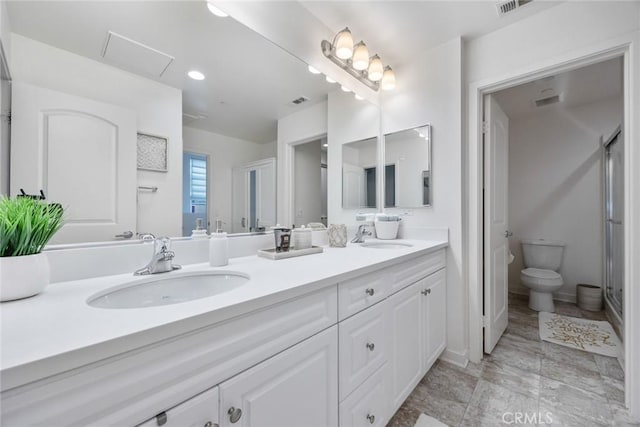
195	75
313	70
213	9
330	80
325	145
345	89
358	97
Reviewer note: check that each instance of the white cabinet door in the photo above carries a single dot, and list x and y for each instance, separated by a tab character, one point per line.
199	411
405	314
434	317
298	387
363	346
82	154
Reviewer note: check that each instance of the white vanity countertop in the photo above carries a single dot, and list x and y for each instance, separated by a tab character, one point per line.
57	331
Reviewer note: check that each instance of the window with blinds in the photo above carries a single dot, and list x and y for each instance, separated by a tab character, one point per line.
198	180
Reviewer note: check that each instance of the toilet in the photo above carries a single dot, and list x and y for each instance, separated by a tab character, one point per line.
542	259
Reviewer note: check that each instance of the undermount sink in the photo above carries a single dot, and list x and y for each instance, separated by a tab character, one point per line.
386	245
172	288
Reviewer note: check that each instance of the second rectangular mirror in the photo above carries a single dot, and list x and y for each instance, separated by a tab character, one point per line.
359	166
407	155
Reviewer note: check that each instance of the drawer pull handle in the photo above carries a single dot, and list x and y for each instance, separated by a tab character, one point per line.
234	414
371	346
370	291
426	291
210	424
371	418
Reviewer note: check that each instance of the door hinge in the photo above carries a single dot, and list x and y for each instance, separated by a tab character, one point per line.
484	321
485	126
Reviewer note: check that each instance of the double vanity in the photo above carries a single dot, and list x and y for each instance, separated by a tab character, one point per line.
338	338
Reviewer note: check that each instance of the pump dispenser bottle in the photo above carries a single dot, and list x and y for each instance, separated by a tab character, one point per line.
218	247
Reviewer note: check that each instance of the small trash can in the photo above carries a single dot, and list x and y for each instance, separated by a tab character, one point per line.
589	297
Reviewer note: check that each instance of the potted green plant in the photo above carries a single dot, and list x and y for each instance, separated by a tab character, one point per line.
26	225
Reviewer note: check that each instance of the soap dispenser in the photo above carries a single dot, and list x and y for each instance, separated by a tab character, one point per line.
218	247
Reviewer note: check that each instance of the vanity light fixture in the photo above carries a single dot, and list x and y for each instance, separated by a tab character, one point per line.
195	75
356	61
214	9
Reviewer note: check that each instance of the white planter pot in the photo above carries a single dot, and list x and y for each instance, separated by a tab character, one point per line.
23	276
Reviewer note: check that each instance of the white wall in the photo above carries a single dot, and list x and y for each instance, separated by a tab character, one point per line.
556	187
5	43
224	154
158	108
349	120
301	126
429	90
307	183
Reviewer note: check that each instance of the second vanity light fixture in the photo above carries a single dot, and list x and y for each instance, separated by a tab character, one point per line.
355	60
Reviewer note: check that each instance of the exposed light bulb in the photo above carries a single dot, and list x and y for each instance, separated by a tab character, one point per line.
214	9
388	79
313	70
345	89
344	44
360	56
358	97
330	80
376	69
195	75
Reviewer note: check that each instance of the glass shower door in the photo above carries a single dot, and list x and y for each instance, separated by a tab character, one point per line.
614	220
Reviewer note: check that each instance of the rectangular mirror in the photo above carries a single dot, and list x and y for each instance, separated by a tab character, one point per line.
359	170
408	178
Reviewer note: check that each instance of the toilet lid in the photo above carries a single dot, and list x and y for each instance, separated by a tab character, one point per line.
539	273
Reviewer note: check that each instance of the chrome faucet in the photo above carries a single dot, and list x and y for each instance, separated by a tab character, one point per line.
362	231
161	261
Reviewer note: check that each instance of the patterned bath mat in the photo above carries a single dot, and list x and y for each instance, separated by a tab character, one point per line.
583	334
426	421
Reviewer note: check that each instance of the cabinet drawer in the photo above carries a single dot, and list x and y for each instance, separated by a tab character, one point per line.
136	385
363	346
357	294
368	405
411	271
200	410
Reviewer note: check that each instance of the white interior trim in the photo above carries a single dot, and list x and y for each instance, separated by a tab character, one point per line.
625	46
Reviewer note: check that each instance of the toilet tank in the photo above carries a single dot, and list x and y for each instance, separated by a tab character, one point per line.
540	253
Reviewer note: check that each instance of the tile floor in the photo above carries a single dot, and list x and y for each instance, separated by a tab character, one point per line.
523	375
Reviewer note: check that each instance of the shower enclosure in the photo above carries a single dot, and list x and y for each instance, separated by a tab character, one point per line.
614	220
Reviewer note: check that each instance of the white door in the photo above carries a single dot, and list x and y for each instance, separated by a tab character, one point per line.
266	194
298	387
353	186
496	222
434	315
405	342
239	196
82	154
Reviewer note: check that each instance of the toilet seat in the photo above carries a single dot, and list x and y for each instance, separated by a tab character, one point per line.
539	273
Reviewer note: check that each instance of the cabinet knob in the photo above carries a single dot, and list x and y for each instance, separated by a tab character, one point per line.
210	424
371	346
370	291
426	291
234	414
371	418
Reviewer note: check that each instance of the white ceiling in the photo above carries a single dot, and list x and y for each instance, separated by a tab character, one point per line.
577	87
250	81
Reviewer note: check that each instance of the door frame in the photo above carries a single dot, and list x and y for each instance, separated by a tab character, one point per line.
627	48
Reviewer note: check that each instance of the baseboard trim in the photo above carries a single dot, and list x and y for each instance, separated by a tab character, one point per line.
455	357
557	296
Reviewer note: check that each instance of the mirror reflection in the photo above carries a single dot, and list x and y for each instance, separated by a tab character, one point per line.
408	180
96	84
310	182
359	168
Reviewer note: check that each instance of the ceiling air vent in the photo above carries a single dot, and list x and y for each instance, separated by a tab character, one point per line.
510	5
300	100
542	102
